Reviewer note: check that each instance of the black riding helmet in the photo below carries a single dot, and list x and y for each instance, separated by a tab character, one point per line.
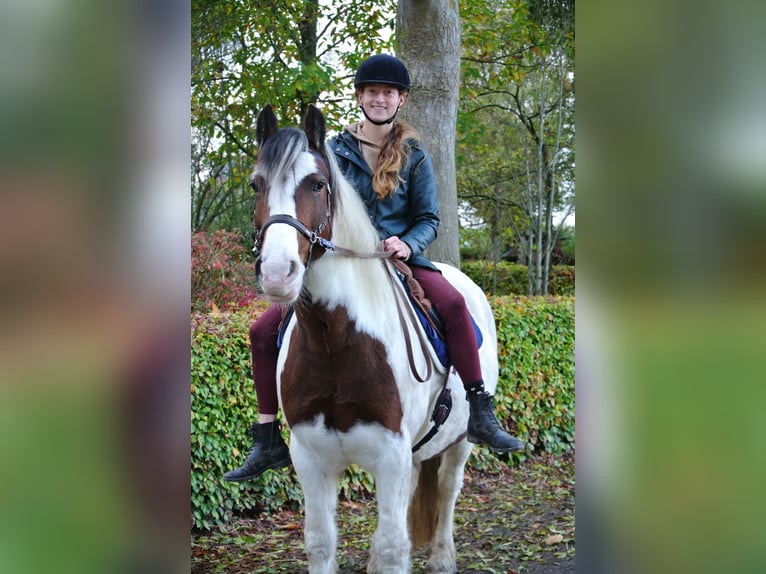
382	69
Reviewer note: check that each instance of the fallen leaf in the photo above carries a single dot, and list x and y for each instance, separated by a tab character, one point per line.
555	539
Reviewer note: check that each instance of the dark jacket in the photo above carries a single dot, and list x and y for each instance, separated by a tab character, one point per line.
412	212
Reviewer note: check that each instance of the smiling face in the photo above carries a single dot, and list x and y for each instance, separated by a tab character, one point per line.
380	101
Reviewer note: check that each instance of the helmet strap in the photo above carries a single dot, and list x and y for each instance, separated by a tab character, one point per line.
388	121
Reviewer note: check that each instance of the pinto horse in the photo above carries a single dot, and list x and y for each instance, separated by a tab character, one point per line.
350	390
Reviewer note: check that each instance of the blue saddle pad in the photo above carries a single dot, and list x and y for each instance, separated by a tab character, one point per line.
438	343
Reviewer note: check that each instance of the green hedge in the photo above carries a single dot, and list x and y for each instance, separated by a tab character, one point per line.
534	399
223	405
504	278
535	340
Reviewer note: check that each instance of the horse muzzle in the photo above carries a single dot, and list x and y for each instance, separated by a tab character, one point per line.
281	279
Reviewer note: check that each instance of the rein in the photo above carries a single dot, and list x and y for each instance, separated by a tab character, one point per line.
402	303
314	238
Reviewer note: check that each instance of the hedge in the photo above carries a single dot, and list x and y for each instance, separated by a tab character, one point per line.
534	400
504	278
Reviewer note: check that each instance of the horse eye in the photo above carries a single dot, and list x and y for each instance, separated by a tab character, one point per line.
254	187
317	186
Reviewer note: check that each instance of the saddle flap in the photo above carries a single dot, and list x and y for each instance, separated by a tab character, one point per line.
417	295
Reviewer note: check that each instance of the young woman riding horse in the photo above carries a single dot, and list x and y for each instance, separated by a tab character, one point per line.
391	170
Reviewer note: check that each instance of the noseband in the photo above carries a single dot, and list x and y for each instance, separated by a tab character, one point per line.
312	235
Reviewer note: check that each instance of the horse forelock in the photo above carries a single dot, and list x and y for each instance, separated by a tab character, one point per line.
280	153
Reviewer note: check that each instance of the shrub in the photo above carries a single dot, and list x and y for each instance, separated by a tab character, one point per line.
504	278
223	406
221	272
536	392
534	399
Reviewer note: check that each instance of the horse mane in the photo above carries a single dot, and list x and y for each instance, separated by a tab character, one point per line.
351	223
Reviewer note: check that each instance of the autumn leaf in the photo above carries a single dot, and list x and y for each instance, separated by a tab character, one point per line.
554	539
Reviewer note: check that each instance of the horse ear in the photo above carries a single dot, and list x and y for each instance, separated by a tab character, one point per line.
315	127
265	125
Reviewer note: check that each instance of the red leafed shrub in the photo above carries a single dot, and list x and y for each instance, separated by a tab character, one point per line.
221	273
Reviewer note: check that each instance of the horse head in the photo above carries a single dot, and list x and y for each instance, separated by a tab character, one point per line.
293	202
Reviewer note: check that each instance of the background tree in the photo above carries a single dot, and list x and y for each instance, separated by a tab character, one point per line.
432	54
247	54
510	172
516	124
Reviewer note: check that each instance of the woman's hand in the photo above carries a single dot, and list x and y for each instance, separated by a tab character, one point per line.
398	247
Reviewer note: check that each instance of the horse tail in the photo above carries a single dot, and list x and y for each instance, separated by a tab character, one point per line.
424	506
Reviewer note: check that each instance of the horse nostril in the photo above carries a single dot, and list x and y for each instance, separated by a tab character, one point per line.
293	269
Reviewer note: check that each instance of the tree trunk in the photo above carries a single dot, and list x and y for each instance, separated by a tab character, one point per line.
428	42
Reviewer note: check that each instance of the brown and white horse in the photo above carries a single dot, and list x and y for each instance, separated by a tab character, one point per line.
347	387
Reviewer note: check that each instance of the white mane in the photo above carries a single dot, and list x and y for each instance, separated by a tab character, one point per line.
360	284
351	224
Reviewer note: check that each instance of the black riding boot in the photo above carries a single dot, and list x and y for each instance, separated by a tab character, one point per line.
483	426
269	451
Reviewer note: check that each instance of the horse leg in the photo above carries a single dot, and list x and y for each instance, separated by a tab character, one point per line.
443	557
319	485
390	549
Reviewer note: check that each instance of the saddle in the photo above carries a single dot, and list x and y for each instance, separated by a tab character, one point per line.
418	297
427	315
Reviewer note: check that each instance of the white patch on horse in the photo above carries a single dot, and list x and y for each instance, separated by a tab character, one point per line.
282	273
313	446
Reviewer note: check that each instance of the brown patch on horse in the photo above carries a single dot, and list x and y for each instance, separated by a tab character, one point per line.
313	207
335	370
424	505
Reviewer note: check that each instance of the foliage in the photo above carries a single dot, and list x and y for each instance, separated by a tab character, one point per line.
568	241
517	80
504	278
221	273
535	399
223	406
476	242
535	340
516	146
245	55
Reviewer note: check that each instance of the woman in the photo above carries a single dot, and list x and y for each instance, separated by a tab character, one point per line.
392	172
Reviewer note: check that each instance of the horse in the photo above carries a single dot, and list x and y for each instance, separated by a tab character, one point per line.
349	389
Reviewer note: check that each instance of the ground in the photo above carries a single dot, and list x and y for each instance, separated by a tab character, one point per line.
520	520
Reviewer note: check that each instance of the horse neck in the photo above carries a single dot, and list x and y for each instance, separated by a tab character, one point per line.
361	286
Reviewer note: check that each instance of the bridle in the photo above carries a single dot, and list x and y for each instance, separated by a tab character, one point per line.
313	235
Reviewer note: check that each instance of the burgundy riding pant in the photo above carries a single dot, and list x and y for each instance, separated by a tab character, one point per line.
448	302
